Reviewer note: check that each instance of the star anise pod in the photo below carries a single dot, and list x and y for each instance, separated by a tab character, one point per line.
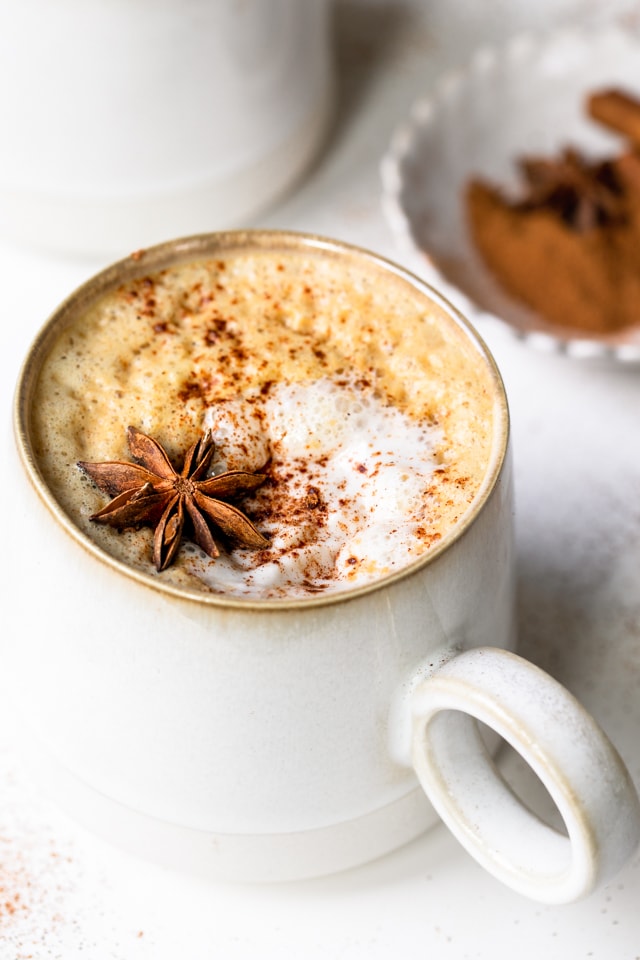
584	194
151	492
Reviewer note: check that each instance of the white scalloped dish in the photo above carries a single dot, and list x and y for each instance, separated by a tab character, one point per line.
527	98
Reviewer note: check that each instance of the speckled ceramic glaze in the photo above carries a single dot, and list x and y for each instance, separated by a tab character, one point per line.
279	740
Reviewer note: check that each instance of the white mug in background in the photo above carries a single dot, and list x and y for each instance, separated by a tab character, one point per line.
280	739
127	122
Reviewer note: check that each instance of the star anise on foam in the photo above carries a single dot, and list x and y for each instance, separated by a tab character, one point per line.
151	492
583	194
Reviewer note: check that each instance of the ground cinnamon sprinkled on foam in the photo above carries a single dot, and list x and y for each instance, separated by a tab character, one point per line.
166	348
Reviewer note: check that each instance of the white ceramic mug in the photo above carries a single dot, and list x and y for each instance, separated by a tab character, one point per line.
276	739
125	123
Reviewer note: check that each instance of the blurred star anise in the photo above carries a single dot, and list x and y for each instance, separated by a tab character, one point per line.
151	492
585	195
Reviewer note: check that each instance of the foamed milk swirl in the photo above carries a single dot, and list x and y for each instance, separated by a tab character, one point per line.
368	409
348	481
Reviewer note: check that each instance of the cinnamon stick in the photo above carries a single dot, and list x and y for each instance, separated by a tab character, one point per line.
617	110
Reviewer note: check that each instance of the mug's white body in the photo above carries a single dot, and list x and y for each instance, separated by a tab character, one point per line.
131	122
248	744
275	739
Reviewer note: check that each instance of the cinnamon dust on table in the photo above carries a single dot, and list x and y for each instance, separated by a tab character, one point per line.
569	245
52	896
29	896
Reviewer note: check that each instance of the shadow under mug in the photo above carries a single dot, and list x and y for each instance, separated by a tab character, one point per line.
278	740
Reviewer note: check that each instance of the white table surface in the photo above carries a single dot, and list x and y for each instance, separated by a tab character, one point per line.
576	428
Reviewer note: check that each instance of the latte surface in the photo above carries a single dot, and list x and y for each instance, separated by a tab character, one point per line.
370	410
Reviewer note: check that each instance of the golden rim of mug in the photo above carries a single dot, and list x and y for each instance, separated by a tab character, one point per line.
191	248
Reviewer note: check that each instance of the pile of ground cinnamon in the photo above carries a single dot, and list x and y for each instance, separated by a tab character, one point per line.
569	245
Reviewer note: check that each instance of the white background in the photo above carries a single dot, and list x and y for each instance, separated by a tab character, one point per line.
576	431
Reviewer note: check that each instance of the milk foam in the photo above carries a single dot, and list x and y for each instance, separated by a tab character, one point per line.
347	501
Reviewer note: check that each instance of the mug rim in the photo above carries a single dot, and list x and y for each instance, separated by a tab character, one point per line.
185	249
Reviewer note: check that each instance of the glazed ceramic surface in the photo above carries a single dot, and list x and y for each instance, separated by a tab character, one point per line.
144	122
283	739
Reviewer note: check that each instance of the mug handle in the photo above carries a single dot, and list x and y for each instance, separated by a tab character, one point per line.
560	741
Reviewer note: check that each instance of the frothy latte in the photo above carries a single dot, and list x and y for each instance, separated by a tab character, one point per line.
367	406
